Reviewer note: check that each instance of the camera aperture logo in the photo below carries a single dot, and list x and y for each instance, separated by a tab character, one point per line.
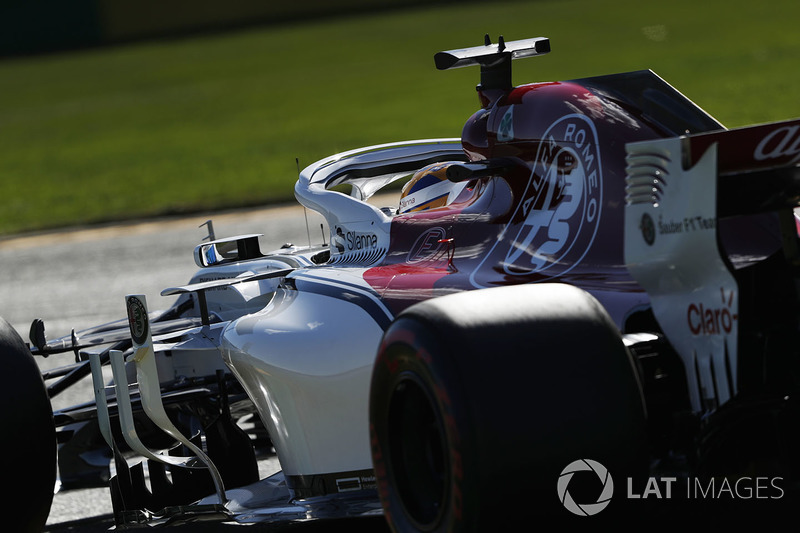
585	509
743	488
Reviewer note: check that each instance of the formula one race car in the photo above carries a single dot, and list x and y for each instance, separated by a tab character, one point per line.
596	278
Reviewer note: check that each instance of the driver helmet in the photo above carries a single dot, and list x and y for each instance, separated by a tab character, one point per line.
428	188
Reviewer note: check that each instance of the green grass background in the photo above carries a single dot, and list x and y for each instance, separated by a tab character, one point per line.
217	121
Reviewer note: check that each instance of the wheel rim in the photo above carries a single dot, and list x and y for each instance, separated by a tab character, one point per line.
418	451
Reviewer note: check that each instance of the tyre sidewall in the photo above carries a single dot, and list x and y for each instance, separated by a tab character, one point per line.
406	356
526	382
29	440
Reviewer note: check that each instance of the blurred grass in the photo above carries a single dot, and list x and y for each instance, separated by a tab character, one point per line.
217	121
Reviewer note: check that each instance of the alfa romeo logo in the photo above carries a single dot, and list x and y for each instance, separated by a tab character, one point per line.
585	509
648	228
137	319
563	201
557	217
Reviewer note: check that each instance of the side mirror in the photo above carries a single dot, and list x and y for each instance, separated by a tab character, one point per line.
228	250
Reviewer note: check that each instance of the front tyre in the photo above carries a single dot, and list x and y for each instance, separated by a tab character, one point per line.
481	398
28	449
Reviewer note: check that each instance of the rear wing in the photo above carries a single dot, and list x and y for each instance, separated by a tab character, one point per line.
757	166
677	190
767	146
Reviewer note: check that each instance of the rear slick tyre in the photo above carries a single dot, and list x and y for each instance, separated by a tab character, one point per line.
480	399
29	438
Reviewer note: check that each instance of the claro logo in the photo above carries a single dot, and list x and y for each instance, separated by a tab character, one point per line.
711	319
782	142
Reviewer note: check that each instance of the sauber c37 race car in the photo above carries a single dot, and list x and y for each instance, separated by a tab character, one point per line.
596	277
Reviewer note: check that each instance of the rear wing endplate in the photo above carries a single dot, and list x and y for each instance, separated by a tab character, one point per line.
677	189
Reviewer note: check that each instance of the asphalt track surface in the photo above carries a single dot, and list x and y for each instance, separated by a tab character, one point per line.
77	278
